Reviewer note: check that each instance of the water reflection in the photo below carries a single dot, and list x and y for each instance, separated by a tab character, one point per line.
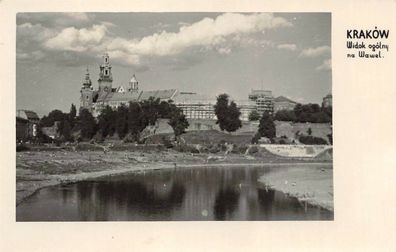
180	194
226	203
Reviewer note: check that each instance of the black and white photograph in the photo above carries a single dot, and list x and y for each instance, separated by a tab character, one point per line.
174	116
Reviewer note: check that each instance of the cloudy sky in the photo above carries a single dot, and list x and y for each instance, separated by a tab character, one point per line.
209	53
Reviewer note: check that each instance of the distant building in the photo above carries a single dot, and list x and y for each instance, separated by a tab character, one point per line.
283	103
327	101
246	107
106	95
26	124
195	106
263	99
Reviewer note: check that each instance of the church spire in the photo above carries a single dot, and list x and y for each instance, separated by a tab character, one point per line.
87	81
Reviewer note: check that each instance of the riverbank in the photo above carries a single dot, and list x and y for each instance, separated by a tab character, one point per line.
310	184
38	169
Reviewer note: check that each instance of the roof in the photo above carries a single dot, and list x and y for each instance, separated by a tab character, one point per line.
260	92
28	114
135	96
283	99
166	94
127	96
191	97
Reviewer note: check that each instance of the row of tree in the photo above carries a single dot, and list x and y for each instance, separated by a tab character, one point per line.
312	113
124	120
301	113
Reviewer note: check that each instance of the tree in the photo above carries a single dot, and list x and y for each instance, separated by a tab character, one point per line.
151	110
267	126
136	122
165	109
312	113
121	124
309	131
221	109
53	116
285	115
254	116
233	122
177	121
87	124
107	121
227	114
72	115
66	132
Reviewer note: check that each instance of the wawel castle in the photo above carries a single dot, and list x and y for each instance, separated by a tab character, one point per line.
194	106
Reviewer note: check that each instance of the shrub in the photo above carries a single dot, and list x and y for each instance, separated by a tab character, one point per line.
239	149
256	138
312	140
214	149
186	148
166	142
22	147
253	150
222	147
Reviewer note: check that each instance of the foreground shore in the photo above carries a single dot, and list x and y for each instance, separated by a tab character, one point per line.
310	184
39	169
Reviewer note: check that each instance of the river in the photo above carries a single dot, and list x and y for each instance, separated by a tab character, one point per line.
182	194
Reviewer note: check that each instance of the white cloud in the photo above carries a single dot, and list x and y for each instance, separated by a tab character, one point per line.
55	19
326	65
35	55
315	52
35	32
206	33
221	34
288	47
224	50
79	40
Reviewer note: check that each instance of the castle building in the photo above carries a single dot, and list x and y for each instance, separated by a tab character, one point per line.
107	95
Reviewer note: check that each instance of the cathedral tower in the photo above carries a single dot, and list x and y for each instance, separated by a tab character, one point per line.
86	91
105	77
133	85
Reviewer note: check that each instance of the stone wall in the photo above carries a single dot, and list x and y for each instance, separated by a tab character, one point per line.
296	150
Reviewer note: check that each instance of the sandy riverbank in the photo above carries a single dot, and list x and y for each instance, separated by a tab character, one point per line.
311	184
38	169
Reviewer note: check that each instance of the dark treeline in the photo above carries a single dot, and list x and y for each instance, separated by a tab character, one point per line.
126	121
312	113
